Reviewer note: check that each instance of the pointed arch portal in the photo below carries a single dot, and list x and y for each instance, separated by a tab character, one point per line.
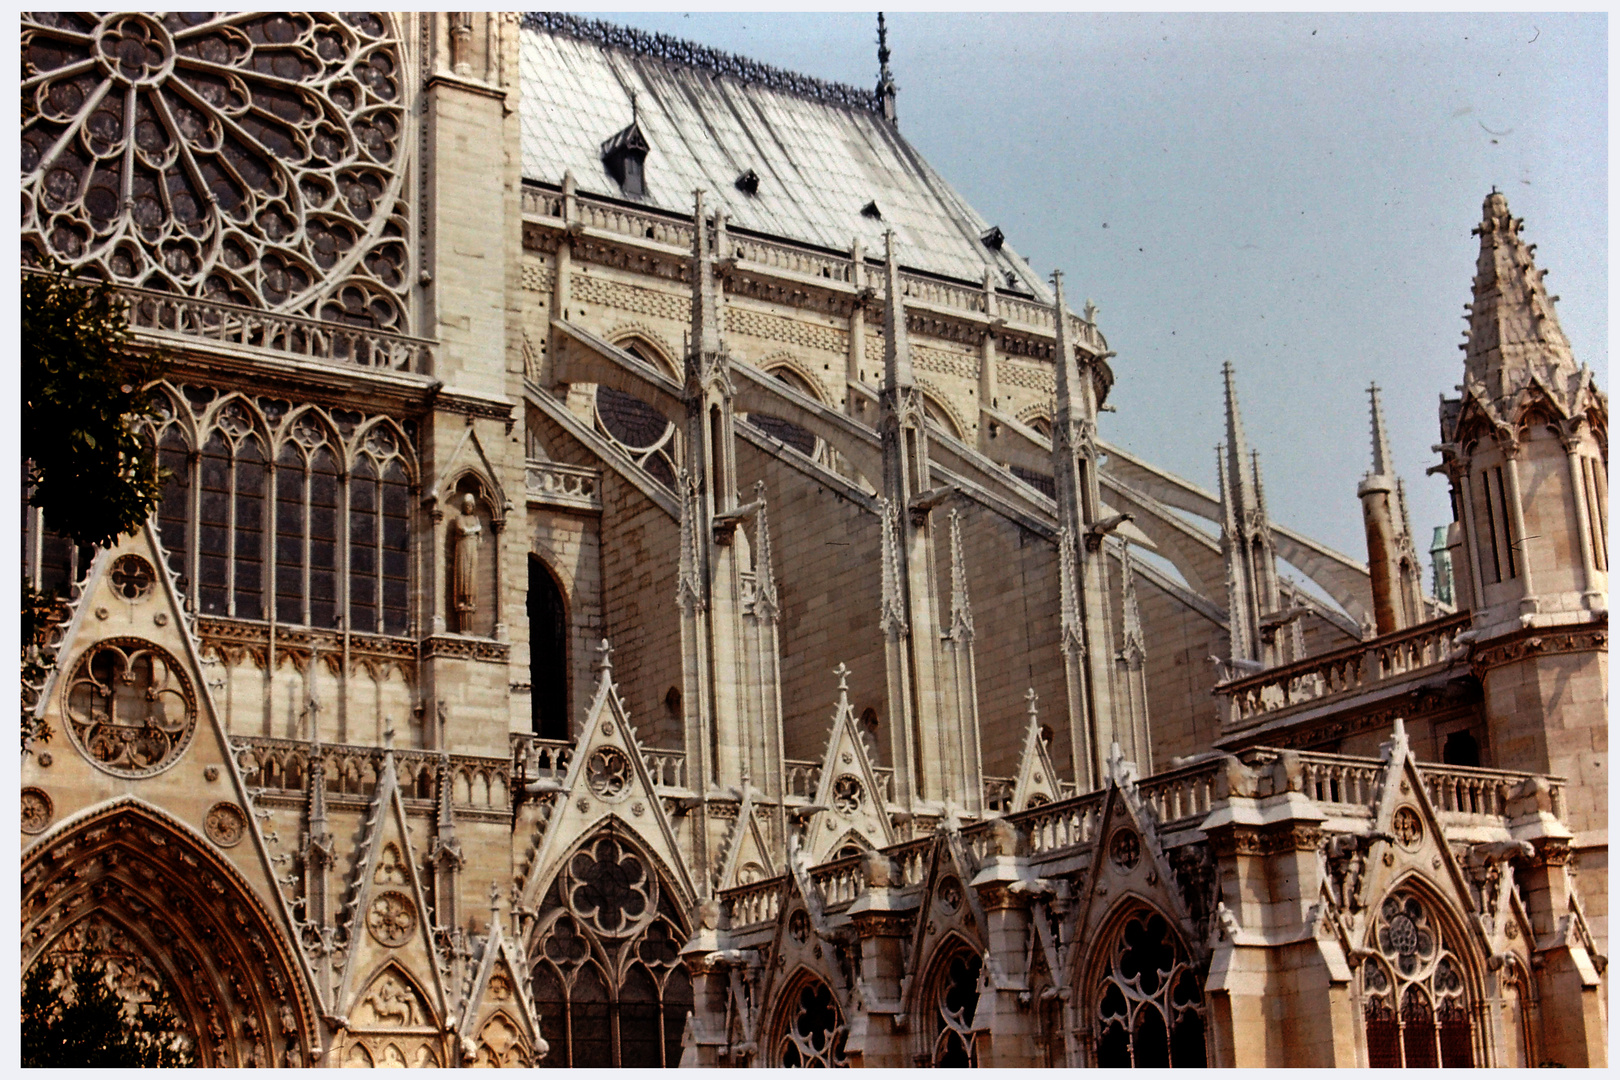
153	899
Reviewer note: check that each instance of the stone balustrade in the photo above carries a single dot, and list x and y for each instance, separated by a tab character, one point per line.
803	777
191	319
969	300
840	881
998	793
1350	670
554	483
666	767
535	758
281	767
754	903
1181	797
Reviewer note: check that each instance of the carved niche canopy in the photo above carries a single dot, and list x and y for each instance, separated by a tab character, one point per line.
250	158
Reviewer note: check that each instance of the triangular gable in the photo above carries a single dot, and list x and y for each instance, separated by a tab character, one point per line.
607	779
469	451
848	796
1410	842
745	849
387	915
1128	861
500	1025
1037	782
130	595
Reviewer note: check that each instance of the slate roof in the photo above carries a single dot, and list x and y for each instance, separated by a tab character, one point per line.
822	151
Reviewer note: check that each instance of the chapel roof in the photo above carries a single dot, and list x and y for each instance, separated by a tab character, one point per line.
823	153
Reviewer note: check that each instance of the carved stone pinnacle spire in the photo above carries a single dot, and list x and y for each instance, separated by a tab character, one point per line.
896	345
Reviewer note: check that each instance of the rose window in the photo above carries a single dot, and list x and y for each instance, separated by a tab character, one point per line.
129	707
132	577
610	888
248	158
846	794
608	773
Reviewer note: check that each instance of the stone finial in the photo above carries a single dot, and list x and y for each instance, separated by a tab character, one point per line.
842	671
1031	698
604	657
1003	837
885	87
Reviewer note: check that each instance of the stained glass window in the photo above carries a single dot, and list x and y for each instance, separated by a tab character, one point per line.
1150	1003
1415	1004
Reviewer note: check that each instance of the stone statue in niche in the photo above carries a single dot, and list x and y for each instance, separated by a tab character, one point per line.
466	533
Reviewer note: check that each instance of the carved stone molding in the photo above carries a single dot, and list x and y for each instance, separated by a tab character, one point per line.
1540	641
460	648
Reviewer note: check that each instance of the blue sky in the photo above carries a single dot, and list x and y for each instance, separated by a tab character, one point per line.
1292	193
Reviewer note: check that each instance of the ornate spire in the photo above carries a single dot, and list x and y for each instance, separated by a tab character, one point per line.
1070	392
1513	332
705	329
885	86
961	609
893	618
1382	463
897	373
1134	647
1238	473
764	577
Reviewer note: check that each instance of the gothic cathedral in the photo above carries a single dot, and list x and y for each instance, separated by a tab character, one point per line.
640	583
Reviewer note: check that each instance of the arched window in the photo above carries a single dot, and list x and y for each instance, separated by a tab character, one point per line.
605	962
174	511
1460	749
940	415
232	475
1415	1002
379	537
810	1031
1149	999
949	1007
308	502
548	653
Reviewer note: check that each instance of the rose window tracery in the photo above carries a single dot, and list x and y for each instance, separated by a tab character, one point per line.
250	158
1414	999
608	981
1150	1000
609	887
129	707
608	773
846	794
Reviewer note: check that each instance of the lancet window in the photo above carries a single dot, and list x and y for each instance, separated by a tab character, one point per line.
605	963
1149	999
812	1030
1415	1001
292	515
950	1009
783	430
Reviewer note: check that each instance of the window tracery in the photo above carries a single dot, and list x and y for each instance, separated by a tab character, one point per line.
300	515
1149	999
254	158
130	707
607	976
952	1005
1415	1001
638	429
812	1030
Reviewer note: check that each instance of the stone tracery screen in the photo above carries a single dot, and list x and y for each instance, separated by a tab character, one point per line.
1414	998
1149	1001
253	158
605	957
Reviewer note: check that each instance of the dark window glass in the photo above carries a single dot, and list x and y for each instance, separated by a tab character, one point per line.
323	537
249	553
174	512
591	1021
290	482
396	564
214	527
1417	1032
639	1042
677	1003
363	534
1460	749
548	654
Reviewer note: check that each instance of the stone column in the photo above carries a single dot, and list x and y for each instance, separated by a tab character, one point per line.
882	920
1515	508
1583	527
1005	1014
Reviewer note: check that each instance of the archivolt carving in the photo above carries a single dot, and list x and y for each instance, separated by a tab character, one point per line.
249	158
181	917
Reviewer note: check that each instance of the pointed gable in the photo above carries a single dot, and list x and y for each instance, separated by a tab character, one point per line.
848	796
1037	782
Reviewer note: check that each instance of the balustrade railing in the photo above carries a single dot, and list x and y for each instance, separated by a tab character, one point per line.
998	793
281	767
1055	826
559	484
1181	796
541	759
968	299
803	777
1350	669
839	881
752	904
666	767
195	319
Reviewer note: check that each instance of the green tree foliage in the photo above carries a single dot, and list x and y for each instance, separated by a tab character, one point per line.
89	467
72	1018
